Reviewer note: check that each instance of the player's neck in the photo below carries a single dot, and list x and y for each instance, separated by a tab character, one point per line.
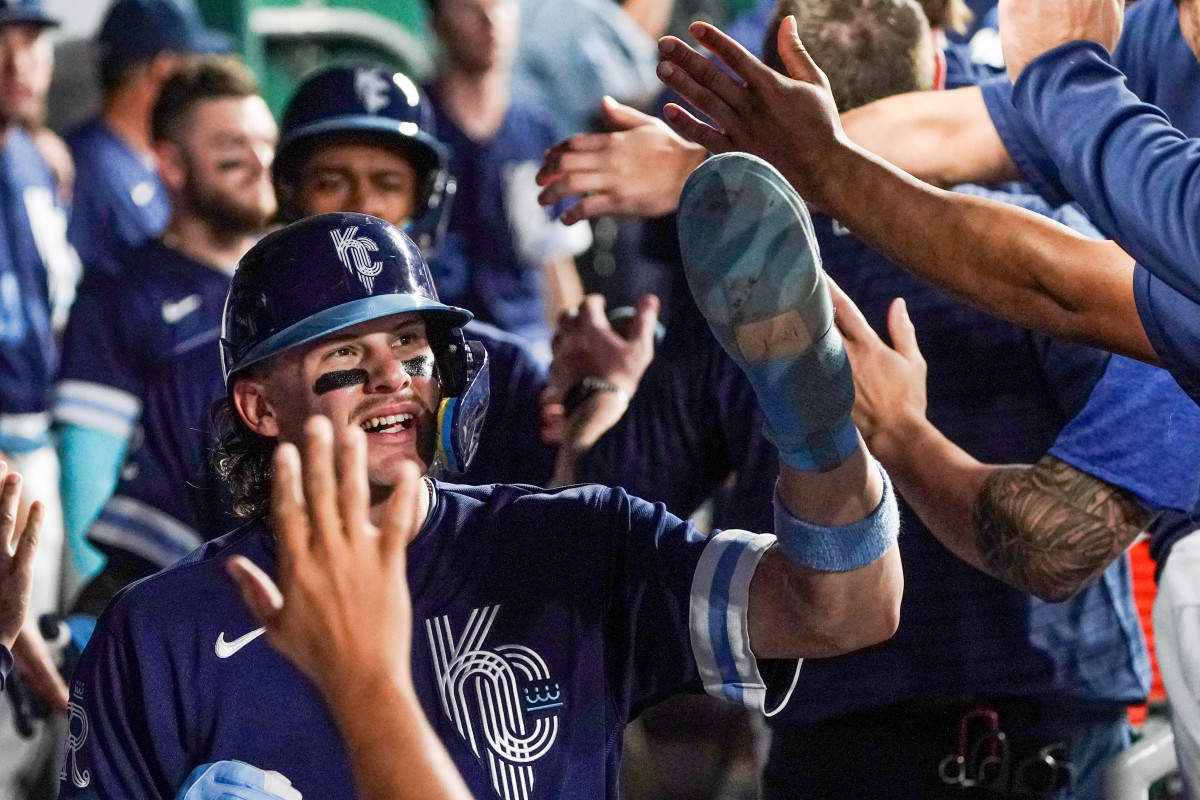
380	499
199	240
127	114
476	101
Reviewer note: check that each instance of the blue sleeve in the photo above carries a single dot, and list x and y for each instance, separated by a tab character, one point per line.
90	463
114	749
1022	144
100	384
1172	323
1138	431
1136	175
679	605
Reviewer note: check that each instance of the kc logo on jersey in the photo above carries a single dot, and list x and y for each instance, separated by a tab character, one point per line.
372	89
355	254
501	699
77	732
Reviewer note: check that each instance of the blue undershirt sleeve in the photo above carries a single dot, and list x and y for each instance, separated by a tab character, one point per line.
91	463
1120	158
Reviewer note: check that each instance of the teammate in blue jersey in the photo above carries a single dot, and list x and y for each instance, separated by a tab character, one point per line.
38	271
504	257
979	134
119	202
346	145
545	621
141	363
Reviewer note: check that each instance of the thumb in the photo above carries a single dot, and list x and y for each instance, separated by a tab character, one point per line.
904	333
645	321
622	116
796	59
846	316
259	592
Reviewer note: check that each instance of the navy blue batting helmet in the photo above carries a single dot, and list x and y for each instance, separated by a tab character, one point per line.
379	105
330	272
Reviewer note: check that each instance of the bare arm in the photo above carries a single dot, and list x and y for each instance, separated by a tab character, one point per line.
1007	261
804	613
1047	528
944	138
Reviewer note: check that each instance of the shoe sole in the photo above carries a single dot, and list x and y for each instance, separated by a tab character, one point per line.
751	258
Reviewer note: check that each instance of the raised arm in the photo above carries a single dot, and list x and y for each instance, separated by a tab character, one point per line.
1009	262
944	138
1045	528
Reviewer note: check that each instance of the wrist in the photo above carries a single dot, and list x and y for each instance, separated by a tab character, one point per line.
899	440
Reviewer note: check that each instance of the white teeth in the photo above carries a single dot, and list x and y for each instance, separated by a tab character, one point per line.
381	423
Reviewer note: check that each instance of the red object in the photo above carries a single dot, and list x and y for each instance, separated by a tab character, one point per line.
1144	589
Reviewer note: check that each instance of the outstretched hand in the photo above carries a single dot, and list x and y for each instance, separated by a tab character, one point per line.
1029	28
889	382
341	610
637	171
16	556
791	122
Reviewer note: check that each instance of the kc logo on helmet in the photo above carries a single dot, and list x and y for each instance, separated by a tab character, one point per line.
372	89
355	255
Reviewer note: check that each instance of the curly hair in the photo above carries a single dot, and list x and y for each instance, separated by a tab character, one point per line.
242	459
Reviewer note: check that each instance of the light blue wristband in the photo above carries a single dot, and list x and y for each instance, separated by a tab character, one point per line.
843	548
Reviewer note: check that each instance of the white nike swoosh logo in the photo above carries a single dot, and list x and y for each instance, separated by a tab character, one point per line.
226	649
173	312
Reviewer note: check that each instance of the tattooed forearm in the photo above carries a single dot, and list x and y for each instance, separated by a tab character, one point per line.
1050	529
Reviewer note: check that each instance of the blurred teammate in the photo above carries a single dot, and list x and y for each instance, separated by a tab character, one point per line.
362	139
38	271
503	257
141	365
546	621
119	201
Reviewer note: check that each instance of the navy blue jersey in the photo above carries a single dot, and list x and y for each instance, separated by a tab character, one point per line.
119	202
1120	157
37	276
509	448
542	624
141	361
490	260
1000	392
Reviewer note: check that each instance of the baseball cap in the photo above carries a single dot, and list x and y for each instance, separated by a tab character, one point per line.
135	30
26	11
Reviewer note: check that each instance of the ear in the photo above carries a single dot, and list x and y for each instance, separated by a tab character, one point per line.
162	66
172	166
256	412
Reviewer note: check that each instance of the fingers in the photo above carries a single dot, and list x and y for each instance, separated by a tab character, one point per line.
320	483
622	116
574	183
403	516
795	57
645	321
26	547
10	498
591	311
904	333
848	318
576	153
289	514
695	81
590	207
703	134
354	493
258	591
732	54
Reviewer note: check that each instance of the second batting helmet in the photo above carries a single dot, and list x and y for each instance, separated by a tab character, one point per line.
379	105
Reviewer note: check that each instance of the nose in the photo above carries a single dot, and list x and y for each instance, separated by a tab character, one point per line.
386	371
